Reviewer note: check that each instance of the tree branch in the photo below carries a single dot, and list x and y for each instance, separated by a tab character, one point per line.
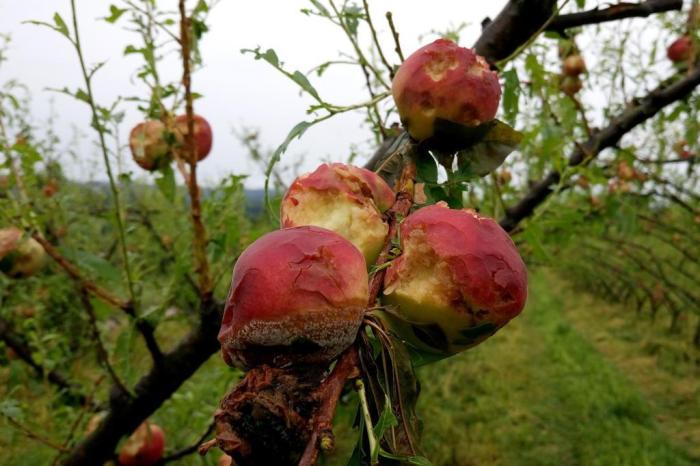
636	113
613	13
514	26
127	413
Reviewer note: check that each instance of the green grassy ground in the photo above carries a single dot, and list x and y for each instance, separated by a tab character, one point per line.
572	381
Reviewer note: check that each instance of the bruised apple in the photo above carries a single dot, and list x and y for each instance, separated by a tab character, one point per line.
203	136
444	81
458	280
297	296
345	199
20	255
145	447
149	146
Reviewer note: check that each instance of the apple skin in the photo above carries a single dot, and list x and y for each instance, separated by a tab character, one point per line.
20	256
446	81
570	85
458	280
297	296
149	147
145	447
680	50
203	135
574	65
342	198
225	460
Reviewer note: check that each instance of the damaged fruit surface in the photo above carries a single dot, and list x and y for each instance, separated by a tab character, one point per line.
20	255
148	144
345	199
145	447
444	81
458	280
297	296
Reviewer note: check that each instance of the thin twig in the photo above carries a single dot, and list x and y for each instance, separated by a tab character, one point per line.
33	435
376	40
395	35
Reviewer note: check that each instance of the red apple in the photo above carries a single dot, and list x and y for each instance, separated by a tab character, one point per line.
145	447
570	85
203	136
149	146
297	295
342	198
20	255
50	188
680	50
444	80
574	65
458	280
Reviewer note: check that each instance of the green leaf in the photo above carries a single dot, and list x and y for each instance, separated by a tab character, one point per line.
61	25
386	420
166	183
321	9
299	78
416	460
426	168
487	155
114	14
511	94
296	132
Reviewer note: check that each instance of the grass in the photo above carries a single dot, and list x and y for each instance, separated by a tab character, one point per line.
572	381
545	391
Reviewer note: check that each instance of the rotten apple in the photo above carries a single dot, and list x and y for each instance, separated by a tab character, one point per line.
444	81
297	296
149	146
20	255
458	280
203	135
345	199
144	447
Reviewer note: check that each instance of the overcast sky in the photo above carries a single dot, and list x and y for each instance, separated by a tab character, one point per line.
238	91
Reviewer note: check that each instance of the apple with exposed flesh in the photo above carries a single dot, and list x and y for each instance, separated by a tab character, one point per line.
144	447
444	81
345	199
20	255
458	280
203	135
149	146
297	296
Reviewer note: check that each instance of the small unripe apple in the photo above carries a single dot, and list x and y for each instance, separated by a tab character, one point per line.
458	280
20	255
504	177
342	198
680	50
570	85
625	171
574	65
203	135
446	81
50	188
297	296
145	447
148	144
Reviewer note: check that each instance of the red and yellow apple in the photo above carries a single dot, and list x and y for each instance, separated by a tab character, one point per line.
144	447
573	65
345	199
203	135
443	80
297	295
149	146
680	50
20	255
458	280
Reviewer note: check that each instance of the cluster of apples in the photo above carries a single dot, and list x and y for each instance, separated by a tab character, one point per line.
20	255
299	294
153	144
572	67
